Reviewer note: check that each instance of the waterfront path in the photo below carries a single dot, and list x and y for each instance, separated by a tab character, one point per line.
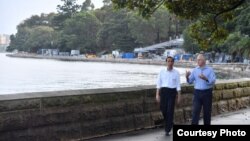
241	117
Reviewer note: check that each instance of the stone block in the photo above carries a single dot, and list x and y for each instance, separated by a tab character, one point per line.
246	91
223	107
133	107
131	95
215	109
219	86
186	100
242	102
93	129
105	98
243	84
157	118
179	116
14	105
122	124
232	105
91	114
150	92
60	101
187	114
114	110
232	85
142	121
16	120
227	94
238	92
188	89
150	105
217	95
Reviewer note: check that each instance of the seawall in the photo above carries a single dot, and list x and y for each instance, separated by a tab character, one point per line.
83	114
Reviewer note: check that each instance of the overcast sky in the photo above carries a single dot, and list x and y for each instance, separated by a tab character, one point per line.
12	12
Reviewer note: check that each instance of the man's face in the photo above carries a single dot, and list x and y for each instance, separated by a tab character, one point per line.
200	61
170	62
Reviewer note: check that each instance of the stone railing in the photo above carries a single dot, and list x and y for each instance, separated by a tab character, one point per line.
83	114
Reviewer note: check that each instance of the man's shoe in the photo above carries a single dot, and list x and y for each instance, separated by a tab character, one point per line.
167	134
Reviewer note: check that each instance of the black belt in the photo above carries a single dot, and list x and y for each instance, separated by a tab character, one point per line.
168	88
203	89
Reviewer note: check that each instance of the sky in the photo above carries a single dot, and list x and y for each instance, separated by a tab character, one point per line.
13	12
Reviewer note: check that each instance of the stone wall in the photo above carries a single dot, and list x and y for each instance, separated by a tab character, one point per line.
83	114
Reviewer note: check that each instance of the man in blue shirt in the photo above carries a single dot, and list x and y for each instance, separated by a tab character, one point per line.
204	79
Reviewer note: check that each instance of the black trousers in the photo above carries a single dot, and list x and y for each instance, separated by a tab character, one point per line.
202	99
167	104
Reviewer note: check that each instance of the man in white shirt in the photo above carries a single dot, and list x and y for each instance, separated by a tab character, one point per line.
168	85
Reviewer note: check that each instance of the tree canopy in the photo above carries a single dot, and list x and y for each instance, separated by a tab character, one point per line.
204	24
94	30
208	15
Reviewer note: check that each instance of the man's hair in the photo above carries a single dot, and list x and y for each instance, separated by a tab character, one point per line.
170	57
203	55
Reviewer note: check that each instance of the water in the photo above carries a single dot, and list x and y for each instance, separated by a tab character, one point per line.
19	75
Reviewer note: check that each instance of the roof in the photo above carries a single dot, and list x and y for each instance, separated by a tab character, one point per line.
176	42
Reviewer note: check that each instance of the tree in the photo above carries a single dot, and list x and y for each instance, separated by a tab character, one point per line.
12	45
115	33
69	7
189	44
106	2
237	44
243	21
86	5
81	31
40	37
65	11
208	15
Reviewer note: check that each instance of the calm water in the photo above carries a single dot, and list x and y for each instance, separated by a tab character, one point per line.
18	75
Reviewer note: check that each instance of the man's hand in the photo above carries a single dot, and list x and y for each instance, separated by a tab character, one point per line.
157	96
178	98
202	76
158	99
187	75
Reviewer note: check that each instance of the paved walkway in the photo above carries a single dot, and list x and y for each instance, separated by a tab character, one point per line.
238	117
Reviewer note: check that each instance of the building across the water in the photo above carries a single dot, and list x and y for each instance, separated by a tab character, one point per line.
4	42
159	49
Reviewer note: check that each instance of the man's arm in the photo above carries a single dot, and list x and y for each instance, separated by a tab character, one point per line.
211	78
178	88
158	86
190	77
157	96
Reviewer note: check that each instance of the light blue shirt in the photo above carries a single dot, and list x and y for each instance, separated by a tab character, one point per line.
199	83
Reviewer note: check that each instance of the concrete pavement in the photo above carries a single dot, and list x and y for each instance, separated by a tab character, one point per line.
238	117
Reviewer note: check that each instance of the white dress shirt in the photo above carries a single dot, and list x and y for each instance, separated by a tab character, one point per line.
170	79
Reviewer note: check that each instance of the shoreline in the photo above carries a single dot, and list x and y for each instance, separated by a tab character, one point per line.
186	64
109	60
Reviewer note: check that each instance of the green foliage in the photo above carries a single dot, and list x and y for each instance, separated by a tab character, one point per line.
40	37
238	44
95	30
209	15
189	44
243	21
87	5
82	29
114	31
68	9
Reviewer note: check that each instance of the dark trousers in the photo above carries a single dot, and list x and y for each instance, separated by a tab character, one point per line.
202	98
167	104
